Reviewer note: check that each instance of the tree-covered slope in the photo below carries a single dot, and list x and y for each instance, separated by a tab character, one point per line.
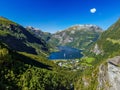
18	38
78	36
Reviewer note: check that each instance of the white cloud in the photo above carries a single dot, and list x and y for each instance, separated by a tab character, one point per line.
93	10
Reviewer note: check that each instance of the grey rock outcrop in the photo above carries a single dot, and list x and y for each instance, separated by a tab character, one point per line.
96	49
114	73
109	75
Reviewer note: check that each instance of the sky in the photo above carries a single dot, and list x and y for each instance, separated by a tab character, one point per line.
54	15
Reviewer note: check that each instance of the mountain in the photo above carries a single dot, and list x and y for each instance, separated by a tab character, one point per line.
78	36
39	33
18	38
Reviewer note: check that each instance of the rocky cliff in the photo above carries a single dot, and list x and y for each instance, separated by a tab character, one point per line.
109	75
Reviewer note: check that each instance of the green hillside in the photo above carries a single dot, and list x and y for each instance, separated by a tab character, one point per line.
109	42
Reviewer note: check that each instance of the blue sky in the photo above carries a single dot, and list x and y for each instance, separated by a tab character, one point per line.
54	15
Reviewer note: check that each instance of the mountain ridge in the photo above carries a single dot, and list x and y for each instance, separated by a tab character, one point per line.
18	38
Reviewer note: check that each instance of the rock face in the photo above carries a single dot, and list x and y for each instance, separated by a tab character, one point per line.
114	73
102	78
114	77
115	61
109	75
96	49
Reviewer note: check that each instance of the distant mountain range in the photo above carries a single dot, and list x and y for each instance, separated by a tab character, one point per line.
78	36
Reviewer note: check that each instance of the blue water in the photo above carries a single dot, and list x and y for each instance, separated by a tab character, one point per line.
66	52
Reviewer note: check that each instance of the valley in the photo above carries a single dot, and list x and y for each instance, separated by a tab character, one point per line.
81	57
59	44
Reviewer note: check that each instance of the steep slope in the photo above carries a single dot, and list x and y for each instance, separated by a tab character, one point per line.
18	38
109	42
109	73
78	36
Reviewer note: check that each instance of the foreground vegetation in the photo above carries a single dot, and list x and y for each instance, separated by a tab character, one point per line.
31	72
